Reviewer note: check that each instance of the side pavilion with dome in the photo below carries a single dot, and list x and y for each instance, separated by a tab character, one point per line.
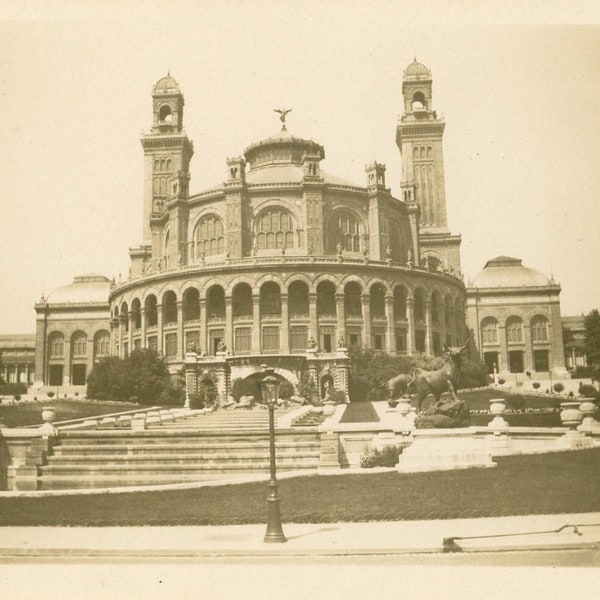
513	313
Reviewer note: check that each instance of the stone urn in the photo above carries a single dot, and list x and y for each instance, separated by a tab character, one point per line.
570	413
48	414
403	406
497	410
588	408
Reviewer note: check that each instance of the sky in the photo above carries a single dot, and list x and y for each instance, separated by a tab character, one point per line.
517	83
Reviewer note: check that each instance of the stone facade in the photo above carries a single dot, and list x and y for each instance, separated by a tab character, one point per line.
17	358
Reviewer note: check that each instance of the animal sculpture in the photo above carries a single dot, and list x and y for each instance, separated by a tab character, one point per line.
439	381
398	386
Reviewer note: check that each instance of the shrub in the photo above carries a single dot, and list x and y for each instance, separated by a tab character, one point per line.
286	389
10	389
308	388
387	457
571	394
501	381
536	385
17	397
196	400
515	402
471	374
558	387
583	372
50	395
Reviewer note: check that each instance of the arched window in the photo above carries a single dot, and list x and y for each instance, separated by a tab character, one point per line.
164	115
209	236
274	228
215	302
418	101
169	308
326	305
489	331
125	316
166	249
419	306
191	304
343	229
436	308
298	298
56	345
101	344
539	329
242	300
79	345
377	295
270	299
400	296
151	311
352	302
136	313
514	330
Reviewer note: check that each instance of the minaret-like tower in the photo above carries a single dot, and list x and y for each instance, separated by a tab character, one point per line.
419	137
167	155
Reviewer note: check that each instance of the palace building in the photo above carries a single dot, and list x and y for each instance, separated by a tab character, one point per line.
284	264
287	265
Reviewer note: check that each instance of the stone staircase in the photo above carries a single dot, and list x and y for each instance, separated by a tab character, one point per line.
202	447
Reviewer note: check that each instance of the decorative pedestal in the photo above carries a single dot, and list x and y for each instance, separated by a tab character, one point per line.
588	409
48	416
397	416
571	416
443	450
497	409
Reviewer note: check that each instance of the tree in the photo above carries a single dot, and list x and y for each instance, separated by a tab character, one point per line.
143	375
1	378
592	341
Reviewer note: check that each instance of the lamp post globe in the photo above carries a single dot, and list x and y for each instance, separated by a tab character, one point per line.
270	391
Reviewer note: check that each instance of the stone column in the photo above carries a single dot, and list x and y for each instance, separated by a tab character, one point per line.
191	376
428	328
342	363
67	361
366	314
341	316
143	327
391	323
410	332
503	358
130	324
229	323
120	335
180	340
159	330
284	345
313	326
203	335
528	353
256	324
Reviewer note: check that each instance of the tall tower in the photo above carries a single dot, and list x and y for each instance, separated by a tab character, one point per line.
167	155
419	138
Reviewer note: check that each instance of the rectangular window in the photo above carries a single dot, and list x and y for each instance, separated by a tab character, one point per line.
192	340
243	340
137	344
515	360
153	343
171	344
298	338
78	376
540	361
401	340
270	339
326	335
378	340
491	359
214	337
55	375
353	336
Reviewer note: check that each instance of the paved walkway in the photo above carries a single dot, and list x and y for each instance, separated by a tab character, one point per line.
335	539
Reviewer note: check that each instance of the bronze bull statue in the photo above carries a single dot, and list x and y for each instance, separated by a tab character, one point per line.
398	386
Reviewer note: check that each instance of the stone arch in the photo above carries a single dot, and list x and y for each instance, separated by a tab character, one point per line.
344	226
275	226
234	282
245	371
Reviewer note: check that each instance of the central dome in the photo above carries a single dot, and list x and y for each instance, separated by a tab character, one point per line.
283	149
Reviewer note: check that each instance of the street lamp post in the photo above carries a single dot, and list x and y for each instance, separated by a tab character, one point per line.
270	390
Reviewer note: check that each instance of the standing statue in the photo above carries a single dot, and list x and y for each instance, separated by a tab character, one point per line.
282	113
439	381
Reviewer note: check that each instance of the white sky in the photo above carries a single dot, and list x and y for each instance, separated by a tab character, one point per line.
519	89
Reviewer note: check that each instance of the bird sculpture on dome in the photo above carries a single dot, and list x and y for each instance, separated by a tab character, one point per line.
282	113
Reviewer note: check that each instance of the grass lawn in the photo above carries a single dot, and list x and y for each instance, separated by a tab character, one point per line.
30	413
520	485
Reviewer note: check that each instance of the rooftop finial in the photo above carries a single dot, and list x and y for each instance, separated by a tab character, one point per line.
282	112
